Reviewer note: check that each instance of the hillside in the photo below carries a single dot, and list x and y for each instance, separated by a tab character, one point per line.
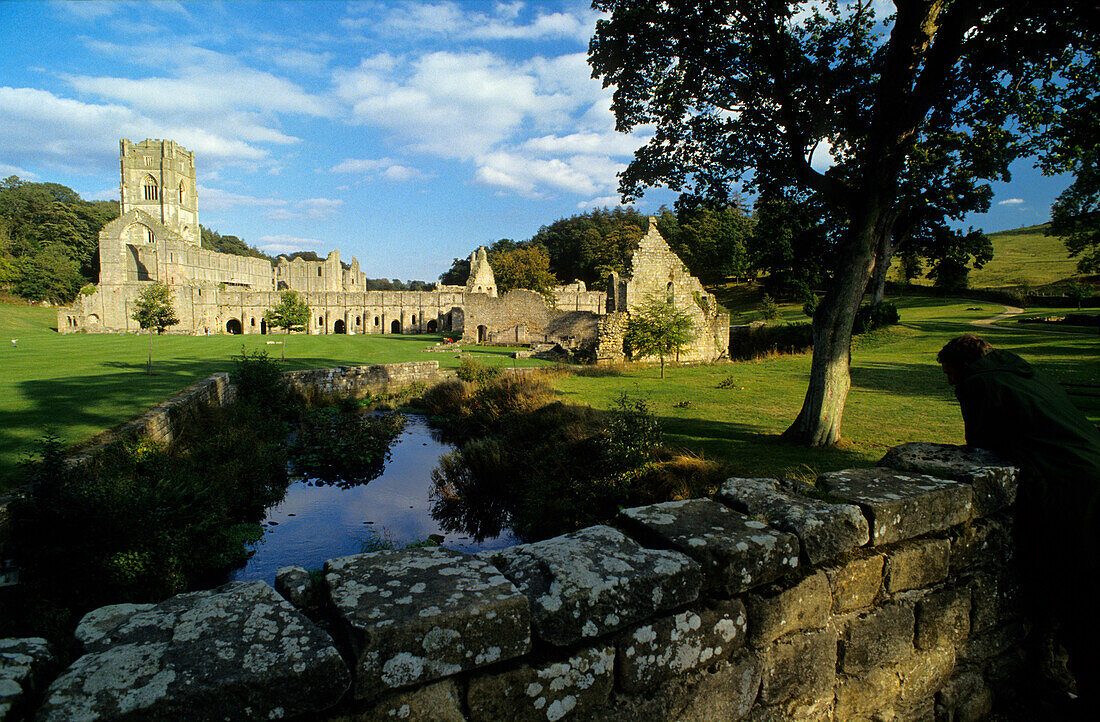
1025	256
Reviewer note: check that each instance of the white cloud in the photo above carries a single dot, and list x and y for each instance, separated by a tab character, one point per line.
277	244
311	208
1011	202
216	199
501	21
24	174
386	168
584	175
601	202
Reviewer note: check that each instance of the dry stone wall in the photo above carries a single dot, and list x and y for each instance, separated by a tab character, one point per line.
877	594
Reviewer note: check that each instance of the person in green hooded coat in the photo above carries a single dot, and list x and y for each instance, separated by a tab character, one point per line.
1016	411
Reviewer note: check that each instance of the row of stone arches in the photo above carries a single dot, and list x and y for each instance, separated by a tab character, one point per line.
234	325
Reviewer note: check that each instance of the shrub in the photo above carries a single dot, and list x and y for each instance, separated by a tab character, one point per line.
810	306
259	380
868	318
447	397
633	436
475	372
769	309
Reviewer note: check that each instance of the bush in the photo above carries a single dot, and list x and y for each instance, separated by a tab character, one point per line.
259	380
810	306
633	436
475	372
445	398
769	309
869	318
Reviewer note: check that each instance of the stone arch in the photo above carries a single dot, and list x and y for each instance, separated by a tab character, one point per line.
432	326
339	326
263	326
182	194
137	234
482	334
233	326
93	319
395	327
150	189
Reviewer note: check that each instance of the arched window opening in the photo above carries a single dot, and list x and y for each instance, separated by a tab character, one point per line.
253	321
181	191
414	319
318	270
357	324
320	321
375	320
149	186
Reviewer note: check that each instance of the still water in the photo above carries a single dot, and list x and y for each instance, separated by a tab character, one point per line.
318	522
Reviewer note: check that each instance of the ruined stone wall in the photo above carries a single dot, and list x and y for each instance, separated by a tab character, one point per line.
523	317
892	600
358	381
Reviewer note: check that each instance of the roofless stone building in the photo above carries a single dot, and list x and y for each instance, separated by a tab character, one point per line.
156	239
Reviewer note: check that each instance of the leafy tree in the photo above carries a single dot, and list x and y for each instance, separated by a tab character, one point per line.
214	241
291	313
658	328
711	240
742	91
457	274
153	309
521	265
588	246
48	275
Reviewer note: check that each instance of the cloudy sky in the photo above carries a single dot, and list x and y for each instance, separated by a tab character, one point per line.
404	134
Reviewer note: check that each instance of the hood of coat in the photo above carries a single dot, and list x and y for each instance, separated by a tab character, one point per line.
998	361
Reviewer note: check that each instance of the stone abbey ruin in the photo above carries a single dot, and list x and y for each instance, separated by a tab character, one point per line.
156	239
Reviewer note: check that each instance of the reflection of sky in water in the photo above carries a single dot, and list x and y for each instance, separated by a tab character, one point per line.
316	523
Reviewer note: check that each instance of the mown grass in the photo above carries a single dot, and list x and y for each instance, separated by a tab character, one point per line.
82	384
1025	257
898	392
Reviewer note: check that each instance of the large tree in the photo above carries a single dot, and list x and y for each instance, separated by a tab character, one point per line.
745	92
658	328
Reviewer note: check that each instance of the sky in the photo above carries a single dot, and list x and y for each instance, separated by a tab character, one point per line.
403	134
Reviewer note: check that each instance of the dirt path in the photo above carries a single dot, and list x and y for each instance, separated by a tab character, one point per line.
1009	312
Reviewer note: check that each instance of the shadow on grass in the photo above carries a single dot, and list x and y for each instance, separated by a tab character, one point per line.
747	451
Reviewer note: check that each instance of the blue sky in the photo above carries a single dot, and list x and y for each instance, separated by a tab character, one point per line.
405	134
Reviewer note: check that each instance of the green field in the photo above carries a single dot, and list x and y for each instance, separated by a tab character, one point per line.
82	384
1026	256
898	391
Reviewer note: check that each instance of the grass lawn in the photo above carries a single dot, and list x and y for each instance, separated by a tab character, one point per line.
898	392
1025	256
82	384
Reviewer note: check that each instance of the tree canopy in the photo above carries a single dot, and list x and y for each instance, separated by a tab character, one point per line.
214	241
291	313
831	101
153	309
658	328
49	239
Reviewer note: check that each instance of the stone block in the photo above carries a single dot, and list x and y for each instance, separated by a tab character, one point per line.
238	652
965	698
922	676
917	564
415	615
439	702
867	696
855	584
943	618
881	637
981	648
775	611
800	666
986	543
993	478
573	686
901	505
736	553
824	530
668	646
296	586
727	693
26	665
595	581
995	600
98	623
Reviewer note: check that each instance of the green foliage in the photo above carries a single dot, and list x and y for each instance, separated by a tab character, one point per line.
769	340
810	306
214	241
291	313
142	521
473	371
589	246
51	236
658	328
343	446
633	435
521	265
769	309
153	308
259	380
711	239
457	274
88	289
879	315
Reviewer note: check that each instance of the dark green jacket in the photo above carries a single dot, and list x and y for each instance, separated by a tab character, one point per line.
1023	415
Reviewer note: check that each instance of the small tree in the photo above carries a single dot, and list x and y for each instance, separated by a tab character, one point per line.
290	314
658	328
153	309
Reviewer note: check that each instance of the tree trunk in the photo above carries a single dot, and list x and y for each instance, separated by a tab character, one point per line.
149	363
286	332
883	258
818	423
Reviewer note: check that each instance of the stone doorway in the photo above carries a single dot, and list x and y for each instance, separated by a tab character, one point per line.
233	326
339	326
482	334
432	326
263	326
395	327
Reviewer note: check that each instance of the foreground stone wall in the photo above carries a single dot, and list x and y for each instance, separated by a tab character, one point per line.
881	593
360	380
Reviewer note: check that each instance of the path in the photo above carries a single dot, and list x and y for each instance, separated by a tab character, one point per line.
1009	312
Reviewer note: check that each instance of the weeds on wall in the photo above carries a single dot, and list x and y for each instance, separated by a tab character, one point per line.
542	468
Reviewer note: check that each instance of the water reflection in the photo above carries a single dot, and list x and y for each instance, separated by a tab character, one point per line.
318	522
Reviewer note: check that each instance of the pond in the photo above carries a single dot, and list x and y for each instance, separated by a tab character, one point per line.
318	522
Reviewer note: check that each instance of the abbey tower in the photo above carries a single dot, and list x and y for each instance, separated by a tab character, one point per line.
158	177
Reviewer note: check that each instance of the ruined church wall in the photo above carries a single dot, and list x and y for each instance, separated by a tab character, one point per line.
894	600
